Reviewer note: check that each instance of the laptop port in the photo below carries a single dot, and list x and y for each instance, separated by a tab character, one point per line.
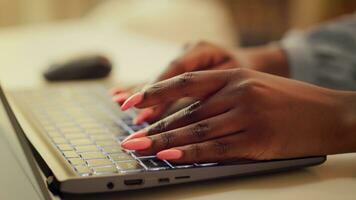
133	182
163	180
182	177
110	185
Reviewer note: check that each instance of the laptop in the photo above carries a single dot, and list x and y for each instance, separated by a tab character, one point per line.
74	131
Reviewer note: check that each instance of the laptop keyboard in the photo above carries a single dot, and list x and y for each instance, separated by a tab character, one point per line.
87	128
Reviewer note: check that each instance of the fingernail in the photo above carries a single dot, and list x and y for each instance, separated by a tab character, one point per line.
142	116
137	144
138	134
120	98
114	91
132	101
170	154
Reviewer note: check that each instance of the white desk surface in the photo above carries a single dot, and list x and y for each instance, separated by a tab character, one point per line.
26	51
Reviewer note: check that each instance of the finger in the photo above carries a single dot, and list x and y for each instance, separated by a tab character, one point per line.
120	98
153	114
117	90
174	68
193	84
230	64
234	146
187	62
149	114
215	105
120	95
201	131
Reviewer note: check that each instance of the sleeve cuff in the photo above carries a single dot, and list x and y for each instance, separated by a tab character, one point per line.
300	57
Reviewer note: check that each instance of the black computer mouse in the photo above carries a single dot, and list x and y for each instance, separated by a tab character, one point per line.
88	67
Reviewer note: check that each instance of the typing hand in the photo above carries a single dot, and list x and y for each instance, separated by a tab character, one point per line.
201	56
239	113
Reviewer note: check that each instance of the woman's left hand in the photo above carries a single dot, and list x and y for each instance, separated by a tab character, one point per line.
240	113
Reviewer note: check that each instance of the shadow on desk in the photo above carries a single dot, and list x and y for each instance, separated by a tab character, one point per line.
338	168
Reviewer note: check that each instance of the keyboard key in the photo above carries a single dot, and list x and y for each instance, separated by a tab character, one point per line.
76	136
113	149
86	148
119	133
99	162
50	128
77	142
104	143
205	164
100	137
155	164
182	166
70	154
54	134
92	155
129	166
120	138
69	130
65	123
64	147
83	170
70	133
96	131
59	140
85	120
127	120
136	127
88	126
105	170
76	161
120	157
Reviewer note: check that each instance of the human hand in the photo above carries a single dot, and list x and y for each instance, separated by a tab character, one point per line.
240	113
201	56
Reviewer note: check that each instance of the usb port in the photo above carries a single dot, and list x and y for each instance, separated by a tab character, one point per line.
182	177
163	180
133	182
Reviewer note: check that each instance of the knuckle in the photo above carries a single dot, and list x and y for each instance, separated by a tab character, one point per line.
167	140
178	64
203	43
241	72
187	45
192	110
184	79
200	130
196	150
153	90
220	148
158	127
249	86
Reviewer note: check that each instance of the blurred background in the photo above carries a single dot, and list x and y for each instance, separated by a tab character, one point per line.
237	22
141	35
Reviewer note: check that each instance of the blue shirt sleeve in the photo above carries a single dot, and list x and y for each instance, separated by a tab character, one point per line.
325	55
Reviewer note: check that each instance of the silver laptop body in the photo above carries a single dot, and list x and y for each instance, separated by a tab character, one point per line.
75	131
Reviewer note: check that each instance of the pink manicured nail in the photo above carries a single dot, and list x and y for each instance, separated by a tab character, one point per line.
138	134
170	154
132	101
121	98
114	91
142	116
137	143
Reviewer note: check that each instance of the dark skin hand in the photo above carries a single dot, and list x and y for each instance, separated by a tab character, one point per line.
239	113
243	113
207	56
